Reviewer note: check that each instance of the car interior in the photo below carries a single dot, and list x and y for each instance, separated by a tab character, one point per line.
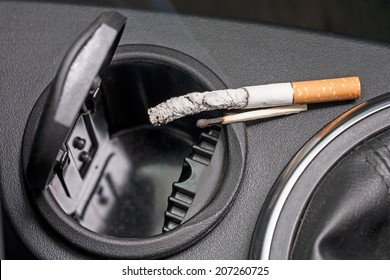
85	175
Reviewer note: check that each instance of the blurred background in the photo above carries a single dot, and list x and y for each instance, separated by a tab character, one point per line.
367	19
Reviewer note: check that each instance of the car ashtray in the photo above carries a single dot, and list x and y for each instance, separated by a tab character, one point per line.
102	176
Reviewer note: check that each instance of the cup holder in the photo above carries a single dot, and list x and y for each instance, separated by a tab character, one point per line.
117	175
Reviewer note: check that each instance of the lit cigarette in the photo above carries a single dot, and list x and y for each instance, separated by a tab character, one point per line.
253	115
261	96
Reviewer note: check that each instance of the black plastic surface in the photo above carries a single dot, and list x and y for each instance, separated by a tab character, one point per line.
239	53
130	197
85	61
1	235
199	181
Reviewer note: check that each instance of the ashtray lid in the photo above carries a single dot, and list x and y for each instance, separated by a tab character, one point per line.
78	76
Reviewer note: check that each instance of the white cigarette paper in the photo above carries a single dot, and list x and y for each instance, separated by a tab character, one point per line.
271	95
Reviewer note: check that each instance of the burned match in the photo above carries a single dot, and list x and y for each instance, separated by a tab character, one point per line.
262	96
253	115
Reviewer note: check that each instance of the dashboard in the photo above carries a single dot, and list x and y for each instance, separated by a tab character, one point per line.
262	189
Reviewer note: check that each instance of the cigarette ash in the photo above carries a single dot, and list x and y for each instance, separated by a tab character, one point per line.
197	102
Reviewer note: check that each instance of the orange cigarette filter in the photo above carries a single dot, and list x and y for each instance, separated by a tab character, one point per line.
328	90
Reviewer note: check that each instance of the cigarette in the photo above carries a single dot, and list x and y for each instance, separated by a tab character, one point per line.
261	96
253	115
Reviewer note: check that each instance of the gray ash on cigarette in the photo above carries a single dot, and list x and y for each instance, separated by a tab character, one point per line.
196	102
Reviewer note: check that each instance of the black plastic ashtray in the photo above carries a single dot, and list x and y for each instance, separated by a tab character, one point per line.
143	161
107	180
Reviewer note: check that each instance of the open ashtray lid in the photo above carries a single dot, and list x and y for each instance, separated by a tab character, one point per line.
77	78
